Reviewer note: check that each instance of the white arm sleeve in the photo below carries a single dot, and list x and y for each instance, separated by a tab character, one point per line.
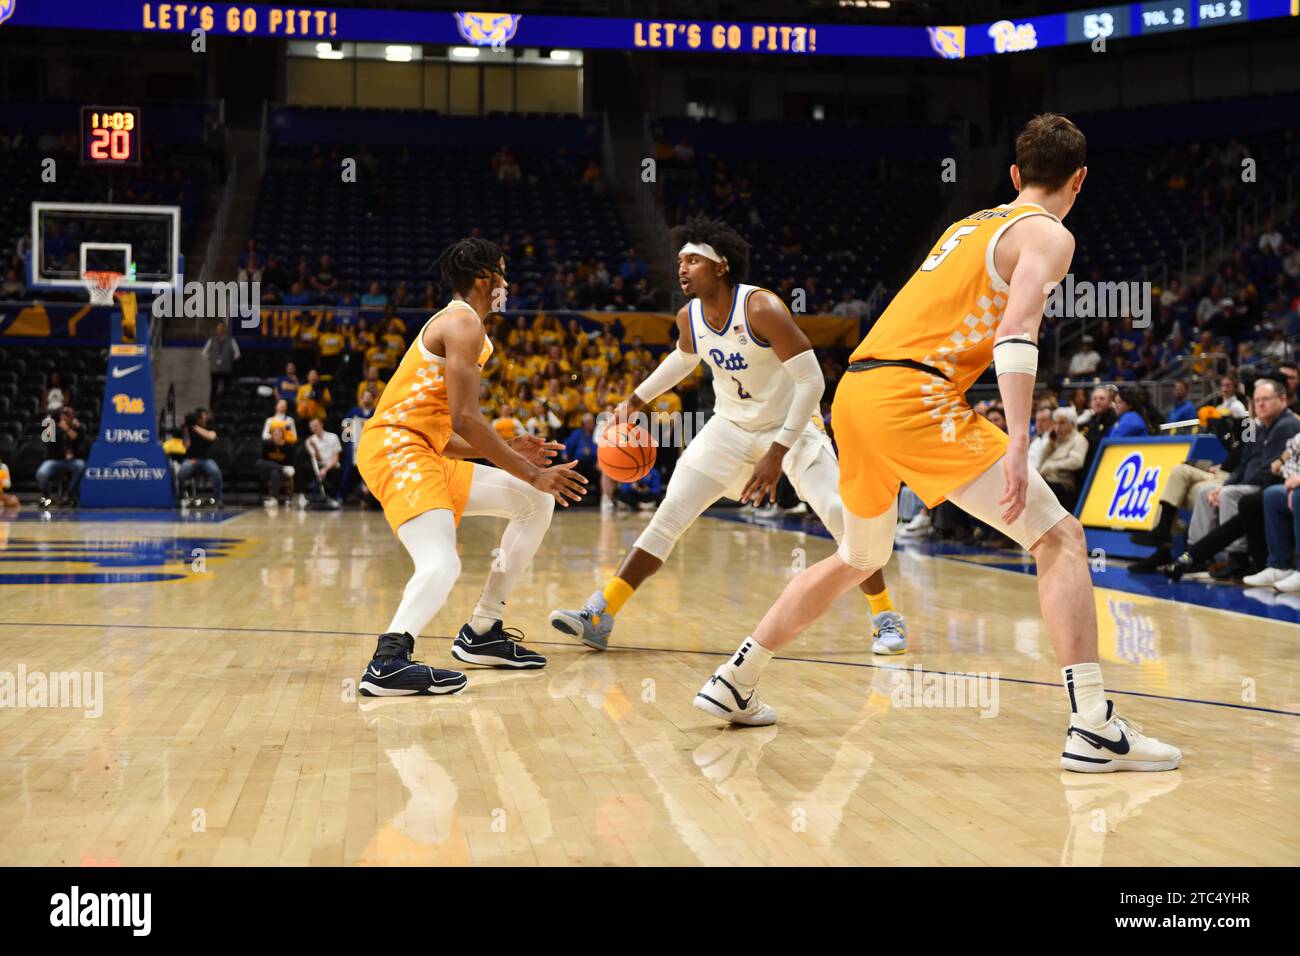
808	388
675	367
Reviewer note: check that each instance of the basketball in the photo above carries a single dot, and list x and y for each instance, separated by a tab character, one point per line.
626	452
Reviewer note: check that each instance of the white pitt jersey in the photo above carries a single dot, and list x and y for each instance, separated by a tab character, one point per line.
751	386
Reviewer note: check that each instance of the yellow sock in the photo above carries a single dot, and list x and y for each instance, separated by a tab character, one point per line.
617	591
880	602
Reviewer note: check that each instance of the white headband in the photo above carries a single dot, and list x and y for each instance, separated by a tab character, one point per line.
702	249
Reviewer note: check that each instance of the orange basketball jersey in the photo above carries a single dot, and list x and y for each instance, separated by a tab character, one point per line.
947	313
416	396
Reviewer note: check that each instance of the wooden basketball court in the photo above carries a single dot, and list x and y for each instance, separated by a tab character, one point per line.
230	732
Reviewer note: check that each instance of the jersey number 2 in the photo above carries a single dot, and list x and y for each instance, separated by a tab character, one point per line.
932	262
740	389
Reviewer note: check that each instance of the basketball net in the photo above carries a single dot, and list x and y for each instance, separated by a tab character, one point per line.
102	285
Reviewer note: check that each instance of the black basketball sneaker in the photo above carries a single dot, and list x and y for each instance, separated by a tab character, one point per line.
499	647
392	673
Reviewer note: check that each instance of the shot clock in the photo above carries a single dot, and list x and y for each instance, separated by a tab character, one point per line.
110	135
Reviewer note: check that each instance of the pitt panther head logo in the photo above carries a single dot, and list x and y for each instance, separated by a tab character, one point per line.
485	29
948	42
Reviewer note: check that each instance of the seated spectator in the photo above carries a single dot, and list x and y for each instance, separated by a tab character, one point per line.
372	383
1183	409
1229	403
282	421
644	494
200	436
543	422
393	333
1219	508
324	282
374	297
326	453
1096	423
275	467
297	295
1085	362
251	267
1043	433
362	339
286	386
507	425
313	398
65	455
275	279
55	396
1282	525
1063	458
849	306
633	267
1135	416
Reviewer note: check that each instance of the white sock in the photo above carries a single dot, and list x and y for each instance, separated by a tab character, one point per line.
746	665
1087	696
484	618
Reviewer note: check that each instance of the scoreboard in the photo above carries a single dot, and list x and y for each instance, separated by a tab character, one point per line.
110	135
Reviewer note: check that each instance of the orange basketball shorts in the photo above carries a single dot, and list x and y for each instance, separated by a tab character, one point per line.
408	477
895	425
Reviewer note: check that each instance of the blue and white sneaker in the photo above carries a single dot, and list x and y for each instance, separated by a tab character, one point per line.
890	633
591	625
499	647
392	673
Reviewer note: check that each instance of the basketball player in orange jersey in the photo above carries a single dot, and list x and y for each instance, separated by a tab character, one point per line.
768	388
900	415
411	457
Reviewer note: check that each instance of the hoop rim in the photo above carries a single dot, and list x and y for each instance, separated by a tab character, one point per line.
102	284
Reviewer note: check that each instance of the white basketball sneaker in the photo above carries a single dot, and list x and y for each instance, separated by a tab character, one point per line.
721	698
1117	744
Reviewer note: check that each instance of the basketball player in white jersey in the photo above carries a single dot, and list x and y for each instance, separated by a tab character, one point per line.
900	414
412	456
768	388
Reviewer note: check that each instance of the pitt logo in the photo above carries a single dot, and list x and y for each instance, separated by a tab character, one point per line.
948	42
1011	37
486	29
126	405
7	8
735	362
1133	494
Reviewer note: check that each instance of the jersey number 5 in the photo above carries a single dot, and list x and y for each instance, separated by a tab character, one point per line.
932	262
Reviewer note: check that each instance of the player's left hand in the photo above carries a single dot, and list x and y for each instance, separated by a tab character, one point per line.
535	450
1015	468
767	475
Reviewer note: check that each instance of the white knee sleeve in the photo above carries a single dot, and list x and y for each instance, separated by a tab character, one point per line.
819	485
430	538
689	494
868	542
979	498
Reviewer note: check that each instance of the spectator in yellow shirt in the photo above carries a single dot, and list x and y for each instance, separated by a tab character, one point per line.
330	344
611	349
393	336
361	338
381	357
282	421
548	330
371	383
313	398
593	364
507	426
637	359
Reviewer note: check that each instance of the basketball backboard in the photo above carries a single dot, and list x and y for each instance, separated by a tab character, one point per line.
71	239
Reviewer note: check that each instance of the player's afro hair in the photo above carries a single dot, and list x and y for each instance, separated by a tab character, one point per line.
469	259
730	244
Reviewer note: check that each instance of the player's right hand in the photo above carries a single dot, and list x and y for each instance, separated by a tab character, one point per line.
1015	468
560	482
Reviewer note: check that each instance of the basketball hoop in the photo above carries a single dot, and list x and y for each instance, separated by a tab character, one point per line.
102	285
